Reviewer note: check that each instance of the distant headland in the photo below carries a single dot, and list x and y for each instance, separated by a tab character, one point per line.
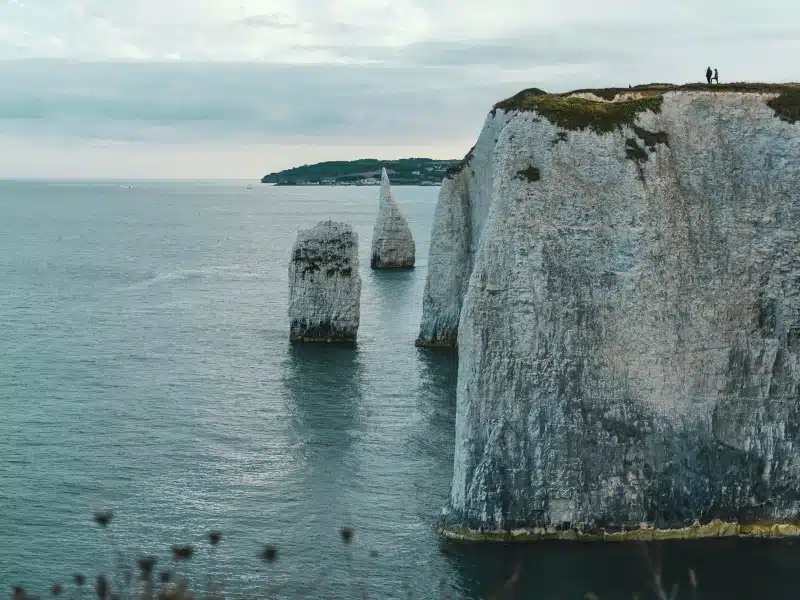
365	171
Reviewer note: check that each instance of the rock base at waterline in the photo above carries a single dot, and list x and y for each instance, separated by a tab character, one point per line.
645	533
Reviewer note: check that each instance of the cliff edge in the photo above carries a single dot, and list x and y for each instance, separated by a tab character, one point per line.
630	325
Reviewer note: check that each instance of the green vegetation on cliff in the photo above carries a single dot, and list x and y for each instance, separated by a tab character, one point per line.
365	171
574	110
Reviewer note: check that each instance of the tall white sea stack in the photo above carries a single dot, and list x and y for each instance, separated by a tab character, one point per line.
392	243
324	284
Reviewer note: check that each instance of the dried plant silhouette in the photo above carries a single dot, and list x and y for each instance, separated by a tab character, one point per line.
143	581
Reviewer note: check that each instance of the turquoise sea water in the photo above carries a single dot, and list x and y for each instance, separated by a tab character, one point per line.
145	368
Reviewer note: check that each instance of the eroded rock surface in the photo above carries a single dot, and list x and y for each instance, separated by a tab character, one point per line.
458	221
324	284
629	337
392	242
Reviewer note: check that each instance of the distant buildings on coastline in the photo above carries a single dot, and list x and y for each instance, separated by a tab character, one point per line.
365	172
359	182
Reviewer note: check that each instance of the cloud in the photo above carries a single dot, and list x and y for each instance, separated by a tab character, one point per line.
210	101
271	21
347	74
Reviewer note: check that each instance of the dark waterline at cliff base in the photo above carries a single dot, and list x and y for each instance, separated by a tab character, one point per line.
146	369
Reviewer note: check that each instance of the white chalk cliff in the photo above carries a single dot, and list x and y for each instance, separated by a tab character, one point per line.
392	243
324	284
458	220
629	335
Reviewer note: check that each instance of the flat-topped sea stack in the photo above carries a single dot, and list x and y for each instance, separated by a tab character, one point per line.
621	271
392	243
324	284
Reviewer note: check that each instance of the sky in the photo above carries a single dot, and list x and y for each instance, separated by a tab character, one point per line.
237	88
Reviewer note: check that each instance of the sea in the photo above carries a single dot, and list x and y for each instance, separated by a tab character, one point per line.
145	369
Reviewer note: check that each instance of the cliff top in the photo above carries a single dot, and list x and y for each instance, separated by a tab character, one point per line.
606	109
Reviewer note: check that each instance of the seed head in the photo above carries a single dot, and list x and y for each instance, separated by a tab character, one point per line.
146	564
693	578
182	552
214	537
103	517
101	587
347	534
270	553
79	579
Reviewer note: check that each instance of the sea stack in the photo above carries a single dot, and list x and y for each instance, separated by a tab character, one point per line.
629	335
324	284
392	243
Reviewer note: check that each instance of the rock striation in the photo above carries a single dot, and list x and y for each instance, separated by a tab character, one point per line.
392	243
629	336
324	284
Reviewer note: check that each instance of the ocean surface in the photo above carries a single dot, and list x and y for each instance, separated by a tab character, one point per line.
145	368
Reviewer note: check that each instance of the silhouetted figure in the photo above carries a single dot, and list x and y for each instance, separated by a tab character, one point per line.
708	75
716	76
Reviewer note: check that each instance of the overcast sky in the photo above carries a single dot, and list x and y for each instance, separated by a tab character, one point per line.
236	88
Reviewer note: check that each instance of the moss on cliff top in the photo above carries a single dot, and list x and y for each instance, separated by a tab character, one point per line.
787	105
580	113
518	99
570	112
661	88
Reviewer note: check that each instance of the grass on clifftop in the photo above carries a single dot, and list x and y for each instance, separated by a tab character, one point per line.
787	105
574	113
579	113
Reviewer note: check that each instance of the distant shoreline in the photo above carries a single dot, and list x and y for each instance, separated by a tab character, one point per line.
357	184
365	172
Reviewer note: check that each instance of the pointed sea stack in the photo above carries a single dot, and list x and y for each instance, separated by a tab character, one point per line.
392	243
324	284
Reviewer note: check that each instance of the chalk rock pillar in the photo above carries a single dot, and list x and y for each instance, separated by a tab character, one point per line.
392	243
324	284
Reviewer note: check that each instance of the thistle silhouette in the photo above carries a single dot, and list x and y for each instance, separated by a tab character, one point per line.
103	517
182	552
347	534
146	564
269	554
101	587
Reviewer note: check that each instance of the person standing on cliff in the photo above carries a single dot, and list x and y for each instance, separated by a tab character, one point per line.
716	76
708	75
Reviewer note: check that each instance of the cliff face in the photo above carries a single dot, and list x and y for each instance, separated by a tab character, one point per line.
392	243
628	342
460	215
324	284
